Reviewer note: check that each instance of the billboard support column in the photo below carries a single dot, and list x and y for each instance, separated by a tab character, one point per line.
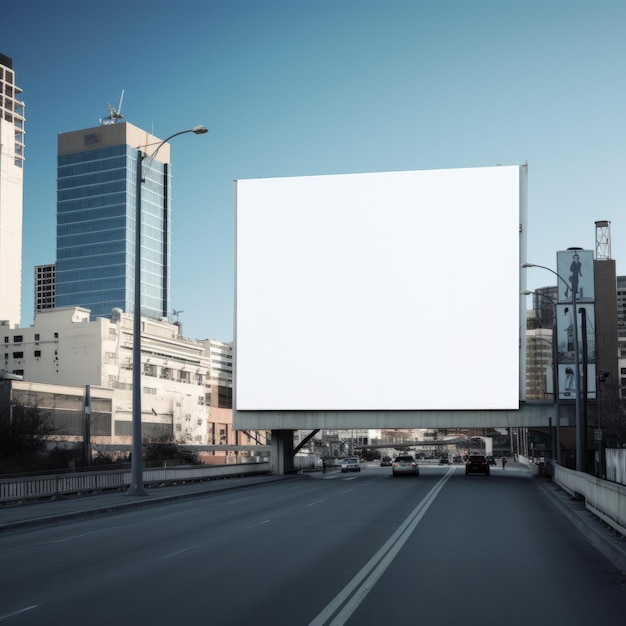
281	454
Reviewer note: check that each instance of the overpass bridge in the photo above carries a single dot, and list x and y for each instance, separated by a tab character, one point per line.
530	415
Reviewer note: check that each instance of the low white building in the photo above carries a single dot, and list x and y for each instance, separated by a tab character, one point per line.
64	348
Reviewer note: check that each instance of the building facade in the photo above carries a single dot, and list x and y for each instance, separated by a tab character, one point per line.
45	287
11	195
65	348
621	331
539	361
186	384
96	211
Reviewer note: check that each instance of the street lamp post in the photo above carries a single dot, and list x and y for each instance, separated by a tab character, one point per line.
555	376
136	469
580	453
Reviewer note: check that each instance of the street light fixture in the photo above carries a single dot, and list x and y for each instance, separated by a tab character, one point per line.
555	377
136	469
580	466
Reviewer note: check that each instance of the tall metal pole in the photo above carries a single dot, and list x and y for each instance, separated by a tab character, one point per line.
580	466
555	376
136	469
579	433
87	430
585	383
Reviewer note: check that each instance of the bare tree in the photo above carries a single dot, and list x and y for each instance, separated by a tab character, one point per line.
24	433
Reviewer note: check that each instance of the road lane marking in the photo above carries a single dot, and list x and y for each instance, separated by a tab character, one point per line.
351	596
9	615
171	555
267	521
316	502
72	537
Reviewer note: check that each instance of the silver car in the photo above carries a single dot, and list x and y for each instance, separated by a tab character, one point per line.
405	464
350	465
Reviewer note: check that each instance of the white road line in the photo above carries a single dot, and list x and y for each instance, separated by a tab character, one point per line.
93	532
357	589
9	615
314	503
173	554
183	550
267	521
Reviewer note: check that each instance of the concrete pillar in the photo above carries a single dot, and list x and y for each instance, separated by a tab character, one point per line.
281	454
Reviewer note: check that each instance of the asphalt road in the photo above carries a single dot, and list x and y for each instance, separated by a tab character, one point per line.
360	548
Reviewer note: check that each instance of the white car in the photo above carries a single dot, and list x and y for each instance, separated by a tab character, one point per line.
350	465
405	464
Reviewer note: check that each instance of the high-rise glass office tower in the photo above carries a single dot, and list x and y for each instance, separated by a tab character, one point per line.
96	208
11	193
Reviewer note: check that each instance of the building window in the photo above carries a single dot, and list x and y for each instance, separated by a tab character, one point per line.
37	353
18	355
56	335
6	340
36	336
149	369
18	339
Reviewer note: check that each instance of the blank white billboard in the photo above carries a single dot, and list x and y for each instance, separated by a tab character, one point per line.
379	291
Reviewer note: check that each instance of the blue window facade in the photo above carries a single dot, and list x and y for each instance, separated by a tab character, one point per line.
96	210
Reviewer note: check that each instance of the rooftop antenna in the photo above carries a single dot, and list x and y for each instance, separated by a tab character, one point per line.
177	322
115	115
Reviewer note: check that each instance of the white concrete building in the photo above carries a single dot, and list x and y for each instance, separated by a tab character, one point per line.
11	196
64	348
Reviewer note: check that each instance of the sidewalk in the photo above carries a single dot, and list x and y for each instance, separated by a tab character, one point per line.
16	516
606	540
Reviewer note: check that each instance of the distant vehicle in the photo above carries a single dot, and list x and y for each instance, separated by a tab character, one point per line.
385	461
444	461
456	458
350	465
491	460
477	464
405	464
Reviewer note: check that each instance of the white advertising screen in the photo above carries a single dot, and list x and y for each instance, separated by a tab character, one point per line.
381	291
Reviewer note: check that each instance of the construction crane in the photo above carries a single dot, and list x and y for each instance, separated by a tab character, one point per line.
115	115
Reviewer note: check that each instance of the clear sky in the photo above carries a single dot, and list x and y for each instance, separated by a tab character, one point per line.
303	87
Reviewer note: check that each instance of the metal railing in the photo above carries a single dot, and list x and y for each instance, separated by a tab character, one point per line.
12	489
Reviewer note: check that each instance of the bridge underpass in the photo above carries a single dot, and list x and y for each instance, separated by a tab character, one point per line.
533	415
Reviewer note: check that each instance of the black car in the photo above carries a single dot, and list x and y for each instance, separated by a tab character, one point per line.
491	460
477	464
385	461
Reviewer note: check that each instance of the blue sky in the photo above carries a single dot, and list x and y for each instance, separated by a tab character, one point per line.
295	88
